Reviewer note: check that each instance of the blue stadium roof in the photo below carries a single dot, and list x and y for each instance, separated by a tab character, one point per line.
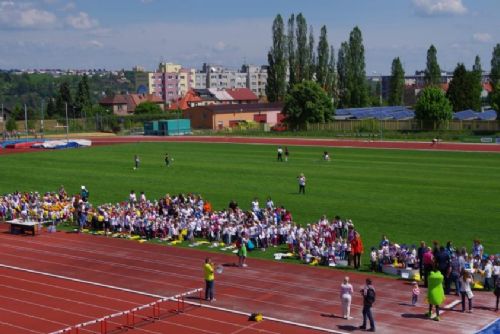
380	113
467	115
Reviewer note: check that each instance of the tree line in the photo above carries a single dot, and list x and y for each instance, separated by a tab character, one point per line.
312	82
46	95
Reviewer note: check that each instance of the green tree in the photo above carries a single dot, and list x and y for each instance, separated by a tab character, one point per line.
302	52
148	107
51	108
322	68
307	102
432	71
82	98
477	65
396	83
292	80
433	107
495	100
276	78
356	74
331	80
11	123
465	88
344	95
311	59
495	66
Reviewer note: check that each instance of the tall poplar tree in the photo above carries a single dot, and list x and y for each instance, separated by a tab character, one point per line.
82	99
331	79
495	67
344	95
477	65
396	83
292	78
432	71
356	70
322	68
276	79
302	53
311	59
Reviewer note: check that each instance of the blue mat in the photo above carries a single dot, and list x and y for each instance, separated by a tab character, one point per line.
493	328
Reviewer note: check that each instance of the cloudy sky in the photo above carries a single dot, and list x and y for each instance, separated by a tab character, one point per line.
115	34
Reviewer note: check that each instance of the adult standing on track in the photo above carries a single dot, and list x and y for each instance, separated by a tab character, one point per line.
368	293
209	269
302	183
346	291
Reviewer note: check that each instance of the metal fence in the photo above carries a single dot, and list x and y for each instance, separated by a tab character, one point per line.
371	125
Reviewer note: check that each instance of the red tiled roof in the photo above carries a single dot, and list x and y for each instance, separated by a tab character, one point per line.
184	102
242	94
117	99
488	87
240	108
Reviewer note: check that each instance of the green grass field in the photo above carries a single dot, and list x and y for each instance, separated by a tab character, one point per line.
408	195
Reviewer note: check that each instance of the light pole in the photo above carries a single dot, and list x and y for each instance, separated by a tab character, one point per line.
67	124
26	121
41	120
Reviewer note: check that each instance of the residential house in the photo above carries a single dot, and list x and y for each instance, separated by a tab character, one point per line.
125	104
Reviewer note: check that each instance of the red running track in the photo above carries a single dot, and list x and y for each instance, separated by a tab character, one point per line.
290	292
400	145
33	303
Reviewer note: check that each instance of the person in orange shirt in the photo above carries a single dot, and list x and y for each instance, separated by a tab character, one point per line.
356	250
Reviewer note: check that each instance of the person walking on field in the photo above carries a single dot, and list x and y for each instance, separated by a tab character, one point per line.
167	160
346	291
209	279
286	154
280	154
302	183
137	161
368	294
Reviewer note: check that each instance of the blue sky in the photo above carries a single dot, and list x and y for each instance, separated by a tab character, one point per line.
117	34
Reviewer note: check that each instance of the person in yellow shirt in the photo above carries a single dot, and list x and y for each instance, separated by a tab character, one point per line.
209	269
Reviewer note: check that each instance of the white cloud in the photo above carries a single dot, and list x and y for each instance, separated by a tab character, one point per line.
81	21
24	16
439	7
69	6
146	1
482	37
95	44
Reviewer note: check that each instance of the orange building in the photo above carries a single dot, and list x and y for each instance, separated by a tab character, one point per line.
218	117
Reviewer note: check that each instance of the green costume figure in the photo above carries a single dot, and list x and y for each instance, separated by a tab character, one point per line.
435	292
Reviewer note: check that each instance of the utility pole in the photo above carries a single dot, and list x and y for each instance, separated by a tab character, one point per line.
26	120
3	120
41	120
67	124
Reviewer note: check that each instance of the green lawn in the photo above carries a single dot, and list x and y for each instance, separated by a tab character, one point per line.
408	195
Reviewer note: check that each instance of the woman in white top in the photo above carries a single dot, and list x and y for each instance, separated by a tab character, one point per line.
346	297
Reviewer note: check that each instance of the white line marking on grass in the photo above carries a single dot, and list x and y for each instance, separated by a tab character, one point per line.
160	297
